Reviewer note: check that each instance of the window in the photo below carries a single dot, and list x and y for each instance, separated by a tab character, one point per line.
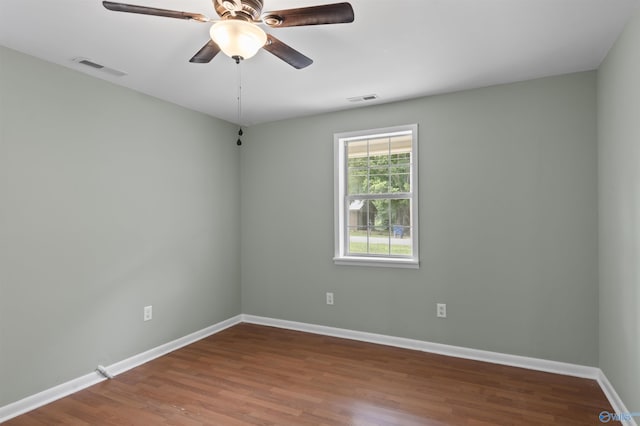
376	197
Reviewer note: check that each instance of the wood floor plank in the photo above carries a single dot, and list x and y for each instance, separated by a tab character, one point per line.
256	375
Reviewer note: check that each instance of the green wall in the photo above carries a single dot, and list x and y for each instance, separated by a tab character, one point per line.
619	214
508	222
109	201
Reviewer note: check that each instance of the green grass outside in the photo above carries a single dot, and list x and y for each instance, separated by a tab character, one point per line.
362	233
361	248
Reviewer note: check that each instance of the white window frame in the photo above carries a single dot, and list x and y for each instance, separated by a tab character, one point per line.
341	256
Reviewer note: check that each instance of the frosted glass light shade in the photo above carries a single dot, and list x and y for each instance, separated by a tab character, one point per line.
238	38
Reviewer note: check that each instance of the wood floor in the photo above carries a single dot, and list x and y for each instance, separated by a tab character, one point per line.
258	375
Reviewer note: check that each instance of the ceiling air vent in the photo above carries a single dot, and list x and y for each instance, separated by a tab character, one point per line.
363	98
91	64
96	66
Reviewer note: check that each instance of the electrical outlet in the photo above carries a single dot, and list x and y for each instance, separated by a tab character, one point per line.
441	310
329	298
148	313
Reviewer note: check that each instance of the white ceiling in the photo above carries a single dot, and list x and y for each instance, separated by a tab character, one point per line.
396	49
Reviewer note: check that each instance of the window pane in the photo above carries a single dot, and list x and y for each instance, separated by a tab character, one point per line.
378	180
358	181
401	146
379	160
400	180
401	246
361	215
400	219
357	167
400	159
381	222
400	212
357	149
358	241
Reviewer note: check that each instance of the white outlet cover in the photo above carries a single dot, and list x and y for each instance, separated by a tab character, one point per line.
329	298
148	313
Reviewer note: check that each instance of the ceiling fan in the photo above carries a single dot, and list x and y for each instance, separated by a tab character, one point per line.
237	32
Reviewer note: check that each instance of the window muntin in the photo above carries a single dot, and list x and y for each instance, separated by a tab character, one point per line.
376	196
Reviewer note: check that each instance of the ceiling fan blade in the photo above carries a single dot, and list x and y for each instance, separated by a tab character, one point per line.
286	53
206	54
338	13
143	10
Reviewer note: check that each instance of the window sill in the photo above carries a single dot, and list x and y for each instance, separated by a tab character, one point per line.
377	261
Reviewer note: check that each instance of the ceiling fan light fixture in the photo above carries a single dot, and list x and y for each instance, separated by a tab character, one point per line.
238	38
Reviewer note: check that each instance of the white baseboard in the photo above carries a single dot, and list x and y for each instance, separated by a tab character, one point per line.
52	394
49	395
437	348
615	401
136	360
537	364
45	397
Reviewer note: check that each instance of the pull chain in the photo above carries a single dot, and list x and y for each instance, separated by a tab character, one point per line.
239	142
